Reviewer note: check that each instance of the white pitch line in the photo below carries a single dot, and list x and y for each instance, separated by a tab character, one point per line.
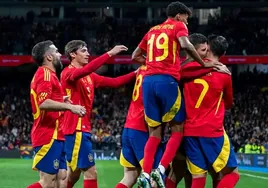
254	176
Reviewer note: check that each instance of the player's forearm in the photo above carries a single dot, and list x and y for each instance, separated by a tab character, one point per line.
138	57
118	81
90	67
190	73
51	105
193	53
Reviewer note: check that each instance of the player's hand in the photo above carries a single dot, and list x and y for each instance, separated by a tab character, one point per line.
117	49
210	64
137	70
67	99
222	69
79	110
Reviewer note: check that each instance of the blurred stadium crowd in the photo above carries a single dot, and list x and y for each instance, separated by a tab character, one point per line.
103	33
246	123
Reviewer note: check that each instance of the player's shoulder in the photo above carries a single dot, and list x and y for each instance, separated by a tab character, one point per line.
189	63
43	74
180	25
67	70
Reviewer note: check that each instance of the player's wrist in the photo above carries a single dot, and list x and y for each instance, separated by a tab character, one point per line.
110	53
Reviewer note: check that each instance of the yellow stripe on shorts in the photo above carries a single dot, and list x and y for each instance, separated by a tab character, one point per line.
41	154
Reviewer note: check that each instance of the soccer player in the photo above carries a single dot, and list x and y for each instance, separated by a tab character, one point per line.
135	133
206	144
161	94
179	166
135	136
79	82
47	99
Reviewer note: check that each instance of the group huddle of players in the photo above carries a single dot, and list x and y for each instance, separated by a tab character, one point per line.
188	98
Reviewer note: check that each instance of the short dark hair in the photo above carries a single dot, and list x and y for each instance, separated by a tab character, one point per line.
177	7
197	38
39	51
73	46
218	45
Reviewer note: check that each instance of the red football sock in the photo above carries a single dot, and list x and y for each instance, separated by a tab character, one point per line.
171	148
199	182
149	153
169	183
121	185
70	184
35	185
91	183
229	180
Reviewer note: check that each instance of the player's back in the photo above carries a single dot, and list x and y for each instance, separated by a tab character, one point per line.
205	102
162	47
135	116
47	124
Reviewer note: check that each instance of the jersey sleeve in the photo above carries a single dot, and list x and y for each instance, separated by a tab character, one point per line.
143	44
43	86
181	30
228	92
103	81
76	74
193	70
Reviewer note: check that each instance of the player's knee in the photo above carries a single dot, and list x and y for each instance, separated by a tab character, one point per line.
73	176
130	176
155	131
62	175
91	173
199	175
48	183
228	170
176	127
47	180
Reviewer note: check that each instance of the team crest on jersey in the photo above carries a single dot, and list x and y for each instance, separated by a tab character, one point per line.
56	164
90	158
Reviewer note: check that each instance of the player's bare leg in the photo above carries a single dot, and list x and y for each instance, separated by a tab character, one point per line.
178	172
90	177
61	179
72	177
46	181
169	154
130	177
155	136
230	177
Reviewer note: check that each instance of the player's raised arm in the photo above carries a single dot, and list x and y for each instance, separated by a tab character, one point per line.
138	56
102	81
140	51
193	70
190	49
86	68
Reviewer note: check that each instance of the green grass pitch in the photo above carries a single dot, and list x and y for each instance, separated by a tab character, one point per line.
17	173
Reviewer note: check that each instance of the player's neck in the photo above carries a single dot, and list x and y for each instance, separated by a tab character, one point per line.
76	64
212	58
50	67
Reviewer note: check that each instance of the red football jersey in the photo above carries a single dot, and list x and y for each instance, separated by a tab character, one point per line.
46	125
205	100
162	47
135	116
81	92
